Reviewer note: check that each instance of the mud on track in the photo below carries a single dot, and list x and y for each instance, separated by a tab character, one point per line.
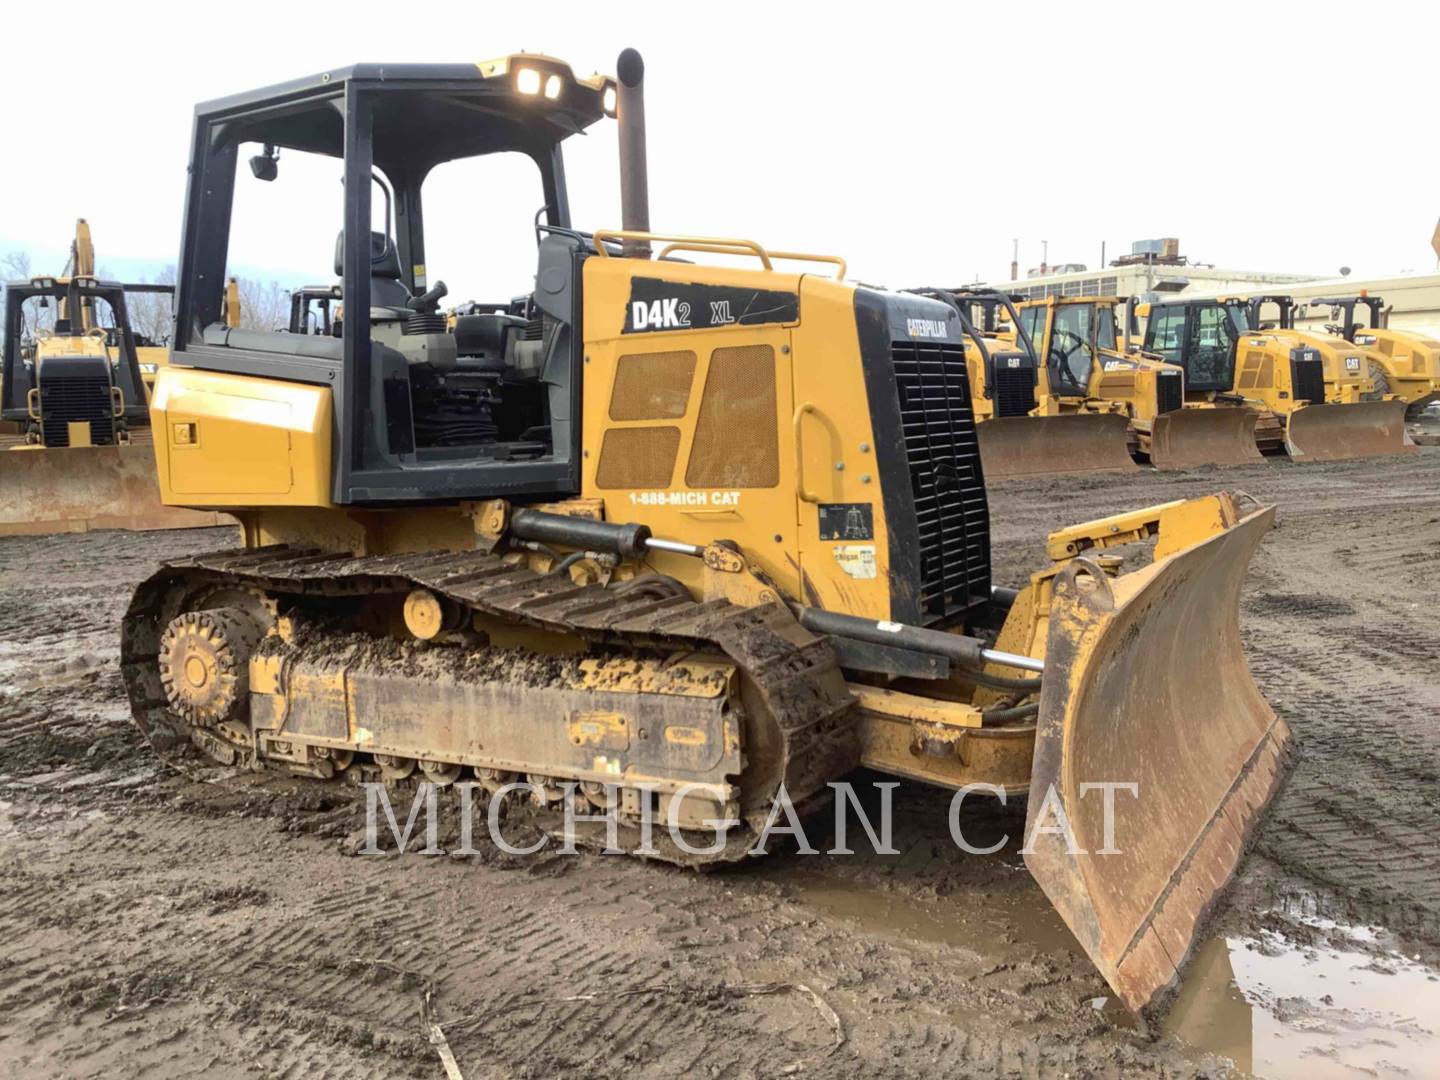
154	926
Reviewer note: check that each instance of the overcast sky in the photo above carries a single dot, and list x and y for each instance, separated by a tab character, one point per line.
915	140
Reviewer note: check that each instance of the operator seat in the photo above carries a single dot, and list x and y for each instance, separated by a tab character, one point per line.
387	291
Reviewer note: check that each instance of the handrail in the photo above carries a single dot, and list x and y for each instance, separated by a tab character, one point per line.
715	244
797	420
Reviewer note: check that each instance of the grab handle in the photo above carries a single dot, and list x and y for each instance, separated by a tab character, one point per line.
798	423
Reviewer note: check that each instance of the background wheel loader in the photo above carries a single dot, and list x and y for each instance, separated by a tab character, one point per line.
75	393
709	532
1309	387
1404	364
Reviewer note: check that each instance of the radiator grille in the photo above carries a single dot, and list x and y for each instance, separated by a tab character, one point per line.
1169	394
68	399
1013	390
952	522
1307	379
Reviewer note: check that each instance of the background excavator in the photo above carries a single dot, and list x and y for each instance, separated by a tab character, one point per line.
73	392
709	532
1404	364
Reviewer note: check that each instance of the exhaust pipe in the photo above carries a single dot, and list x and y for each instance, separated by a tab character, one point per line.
634	182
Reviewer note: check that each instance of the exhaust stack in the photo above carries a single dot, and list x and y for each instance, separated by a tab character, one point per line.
634	182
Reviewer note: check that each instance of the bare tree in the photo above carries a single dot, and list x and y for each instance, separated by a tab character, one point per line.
151	314
16	267
263	305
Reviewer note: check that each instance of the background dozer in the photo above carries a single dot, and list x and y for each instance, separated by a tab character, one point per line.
1308	387
1006	378
708	532
1087	368
1404	364
73	389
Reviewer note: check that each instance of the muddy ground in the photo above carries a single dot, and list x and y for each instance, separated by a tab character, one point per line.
154	926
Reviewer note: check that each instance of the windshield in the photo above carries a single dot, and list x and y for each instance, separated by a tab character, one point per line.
1239	318
1070	343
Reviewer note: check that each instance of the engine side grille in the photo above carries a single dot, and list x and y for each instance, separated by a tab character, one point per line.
1013	390
66	399
952	520
1307	379
1169	395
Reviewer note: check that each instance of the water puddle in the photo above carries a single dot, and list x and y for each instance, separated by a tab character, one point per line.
994	928
1281	1010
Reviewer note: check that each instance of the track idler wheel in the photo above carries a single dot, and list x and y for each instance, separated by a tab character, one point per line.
205	664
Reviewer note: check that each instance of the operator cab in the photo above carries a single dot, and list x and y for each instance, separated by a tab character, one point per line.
1201	336
1069	335
315	309
425	408
1344	307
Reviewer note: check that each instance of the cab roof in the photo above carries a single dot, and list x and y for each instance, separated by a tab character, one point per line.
423	112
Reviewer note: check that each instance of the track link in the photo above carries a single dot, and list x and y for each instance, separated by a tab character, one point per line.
793	675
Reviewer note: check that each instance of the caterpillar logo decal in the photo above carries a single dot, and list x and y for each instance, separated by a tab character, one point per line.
656	304
927	328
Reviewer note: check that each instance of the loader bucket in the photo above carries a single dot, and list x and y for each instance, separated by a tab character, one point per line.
1073	443
76	489
1188	438
1145	683
1338	432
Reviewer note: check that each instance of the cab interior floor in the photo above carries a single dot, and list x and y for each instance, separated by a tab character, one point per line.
154	925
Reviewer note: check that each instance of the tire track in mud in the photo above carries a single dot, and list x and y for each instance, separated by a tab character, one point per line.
167	928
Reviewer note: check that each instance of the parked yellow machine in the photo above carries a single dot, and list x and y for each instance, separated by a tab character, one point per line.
1087	368
1309	388
675	539
75	394
1403	364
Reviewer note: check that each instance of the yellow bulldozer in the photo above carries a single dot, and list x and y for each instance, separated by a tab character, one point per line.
1019	431
1403	364
1309	388
73	395
1099	405
677	540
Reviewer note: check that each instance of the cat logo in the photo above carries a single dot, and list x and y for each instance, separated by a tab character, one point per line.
926	328
1352	363
1013	362
671	313
1115	365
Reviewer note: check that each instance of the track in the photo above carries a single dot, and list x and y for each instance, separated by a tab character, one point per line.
156	926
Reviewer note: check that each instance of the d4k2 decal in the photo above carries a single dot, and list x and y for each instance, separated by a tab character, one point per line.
656	304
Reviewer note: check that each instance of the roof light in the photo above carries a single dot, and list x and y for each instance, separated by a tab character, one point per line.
607	99
552	87
527	81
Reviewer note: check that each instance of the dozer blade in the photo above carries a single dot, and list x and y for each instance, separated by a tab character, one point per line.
76	489
1338	432
1073	443
1188	438
1145	683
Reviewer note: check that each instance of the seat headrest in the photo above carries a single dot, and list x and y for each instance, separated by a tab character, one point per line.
384	259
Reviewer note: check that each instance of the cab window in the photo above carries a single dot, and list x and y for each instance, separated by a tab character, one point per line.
1070	344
